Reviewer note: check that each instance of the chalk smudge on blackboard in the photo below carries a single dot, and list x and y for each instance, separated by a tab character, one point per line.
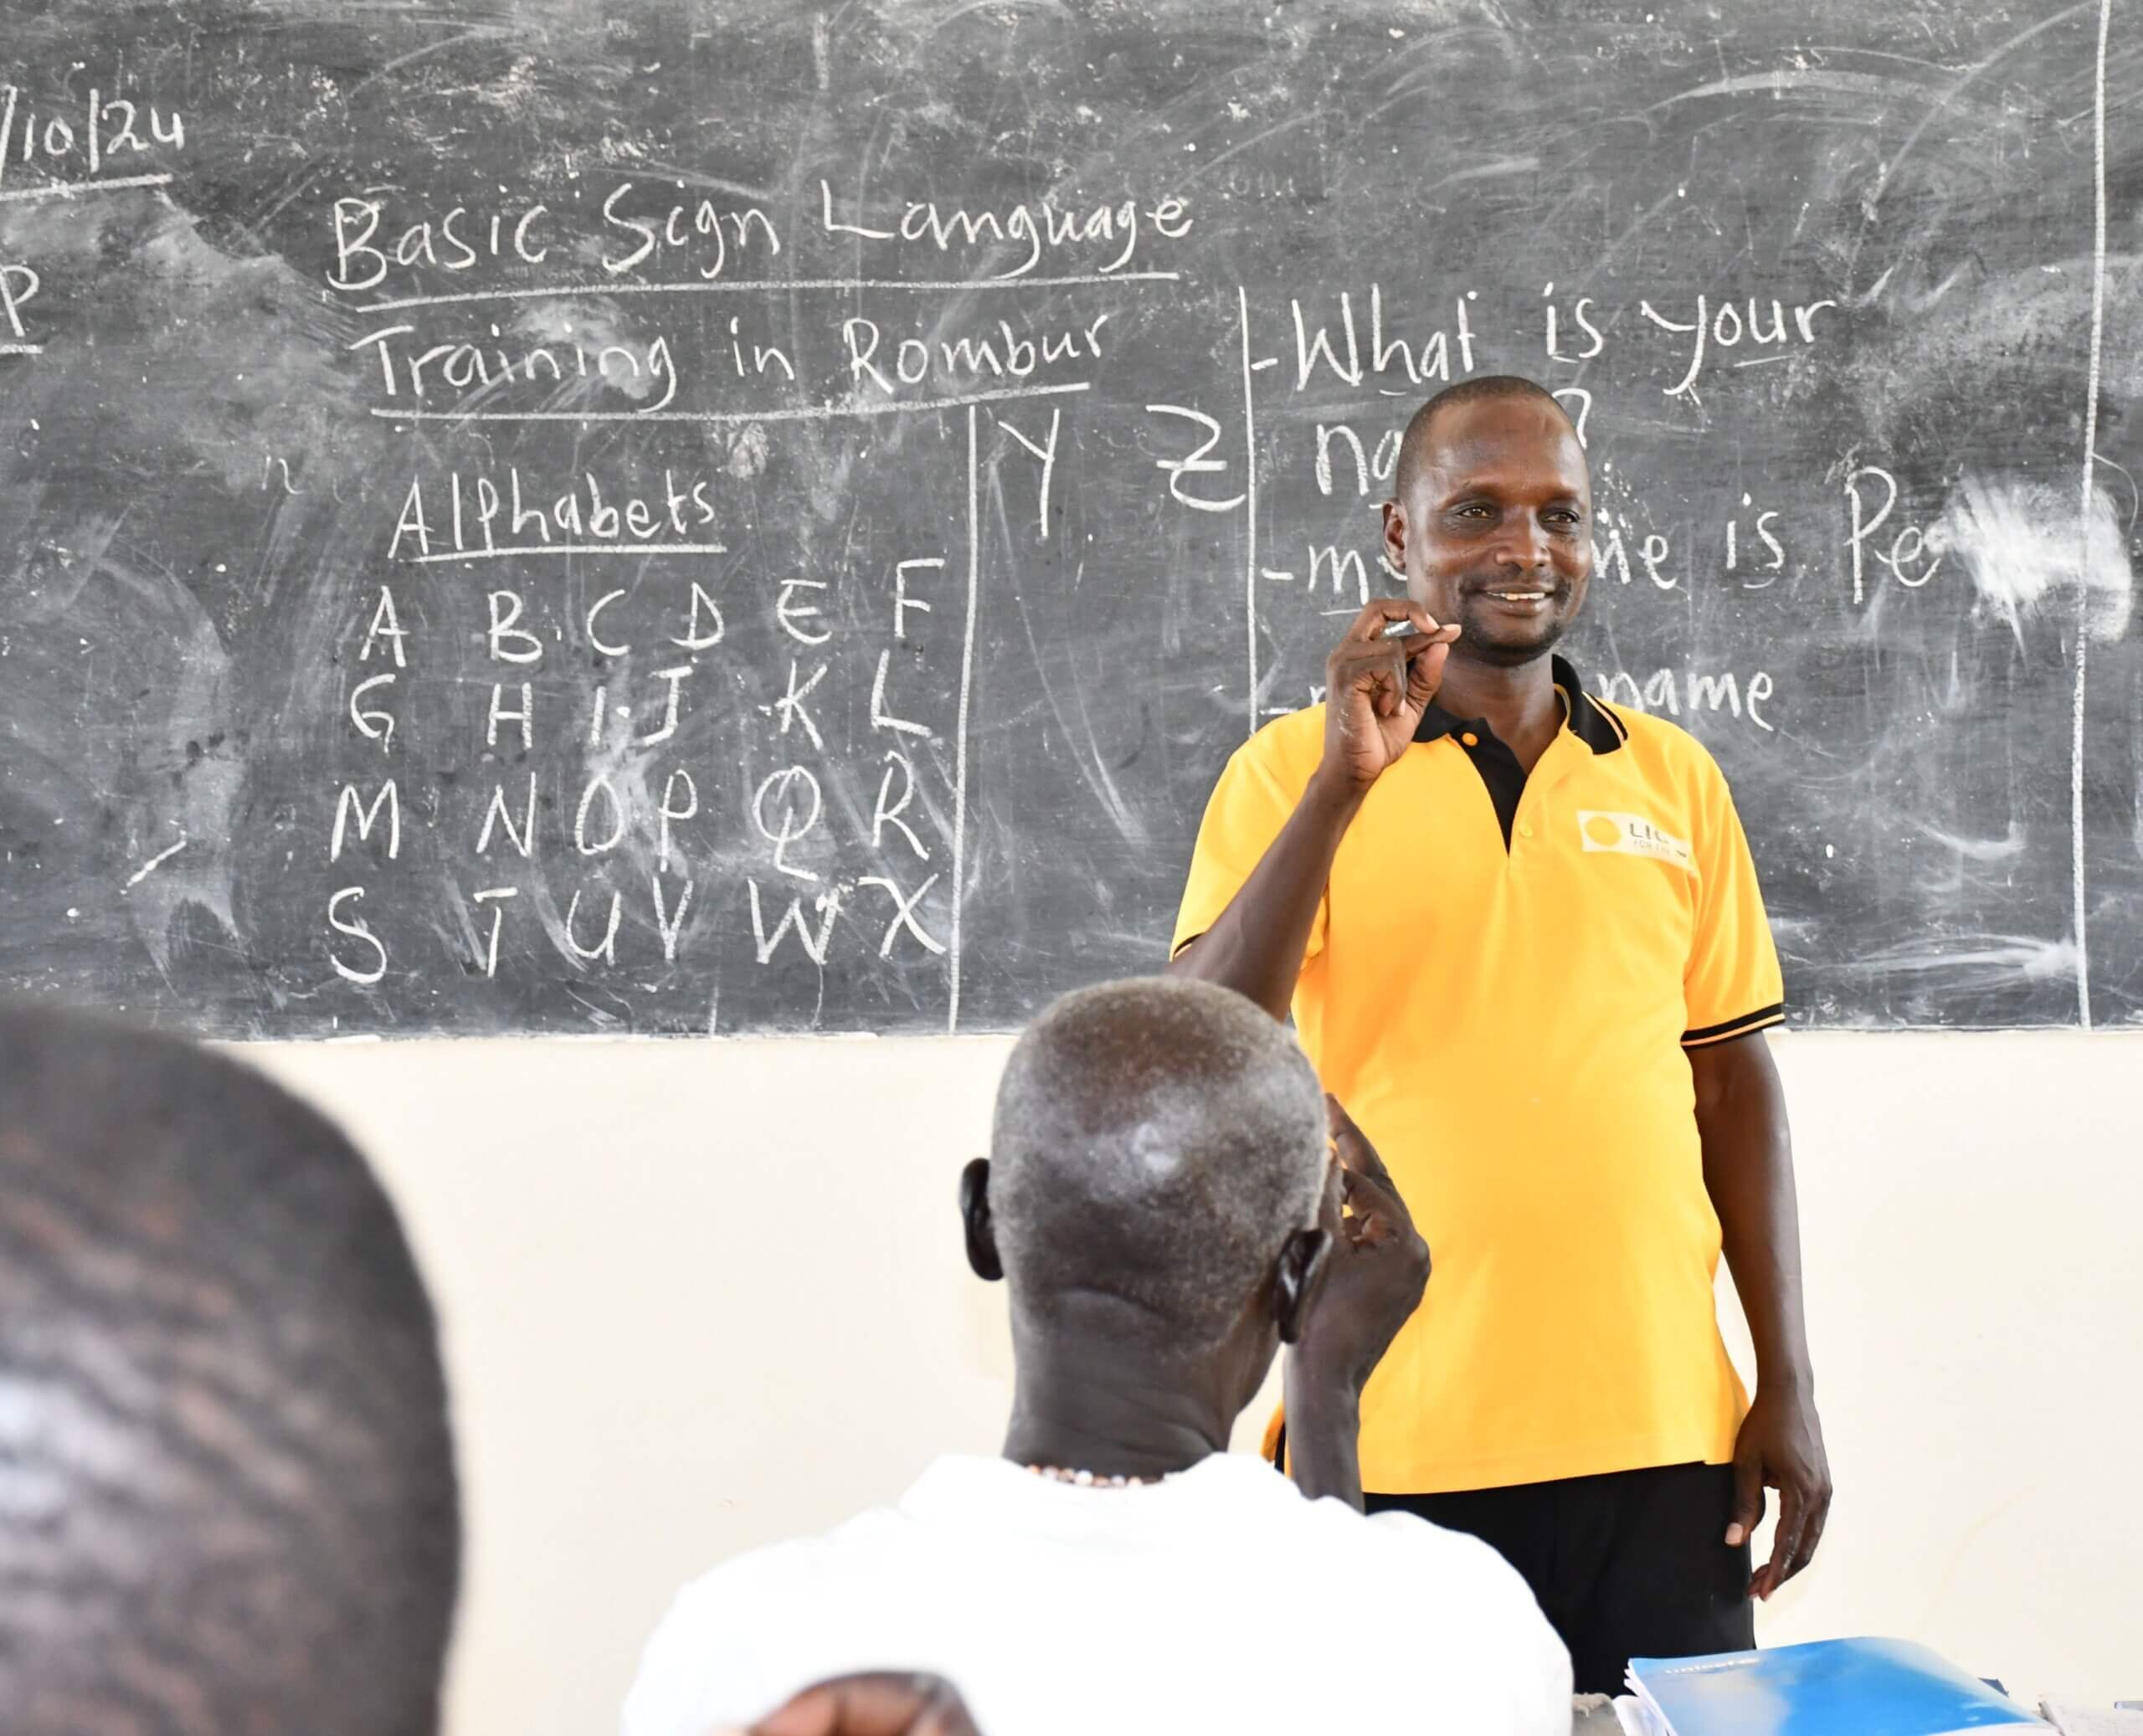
2018	540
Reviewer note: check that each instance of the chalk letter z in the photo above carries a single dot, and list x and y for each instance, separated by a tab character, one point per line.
1197	463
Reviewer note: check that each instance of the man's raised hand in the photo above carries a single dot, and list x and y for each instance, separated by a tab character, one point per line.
1377	686
1379	1263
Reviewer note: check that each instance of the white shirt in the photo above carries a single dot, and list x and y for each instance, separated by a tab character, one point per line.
1219	1599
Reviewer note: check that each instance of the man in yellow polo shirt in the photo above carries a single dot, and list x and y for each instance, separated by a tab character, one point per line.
1523	943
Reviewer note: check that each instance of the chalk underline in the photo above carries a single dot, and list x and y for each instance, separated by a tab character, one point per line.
68	189
21	349
770	285
789	413
574	548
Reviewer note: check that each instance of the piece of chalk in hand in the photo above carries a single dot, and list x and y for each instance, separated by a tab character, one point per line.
1399	629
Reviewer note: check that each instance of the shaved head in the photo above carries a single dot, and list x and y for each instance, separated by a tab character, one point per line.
227	1491
1155	1144
1414	445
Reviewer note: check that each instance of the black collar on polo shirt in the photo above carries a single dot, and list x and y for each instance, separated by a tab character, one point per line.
1591	722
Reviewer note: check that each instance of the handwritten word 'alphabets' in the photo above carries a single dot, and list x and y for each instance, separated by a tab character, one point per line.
483	514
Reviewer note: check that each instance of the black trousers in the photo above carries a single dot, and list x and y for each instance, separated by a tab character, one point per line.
1631	1564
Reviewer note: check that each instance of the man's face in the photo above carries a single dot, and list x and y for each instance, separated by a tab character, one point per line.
1495	532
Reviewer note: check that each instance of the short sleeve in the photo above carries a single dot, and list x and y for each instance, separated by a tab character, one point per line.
1731	985
1248	806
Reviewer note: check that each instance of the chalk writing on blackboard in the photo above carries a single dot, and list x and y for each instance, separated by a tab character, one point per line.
518	525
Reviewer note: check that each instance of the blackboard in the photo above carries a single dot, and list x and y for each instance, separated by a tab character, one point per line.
683	517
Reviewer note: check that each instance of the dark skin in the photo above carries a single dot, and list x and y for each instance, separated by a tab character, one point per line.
879	1703
1337	1292
1494	537
1378	1271
1493	532
1748	1154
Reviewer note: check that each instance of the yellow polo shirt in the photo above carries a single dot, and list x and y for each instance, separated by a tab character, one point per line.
1504	973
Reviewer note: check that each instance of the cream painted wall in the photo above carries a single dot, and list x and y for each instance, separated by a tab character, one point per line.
702	1295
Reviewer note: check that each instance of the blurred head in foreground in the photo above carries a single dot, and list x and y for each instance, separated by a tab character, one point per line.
227	1500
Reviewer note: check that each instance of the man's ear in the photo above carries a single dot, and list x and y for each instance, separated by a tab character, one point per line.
1305	1257
975	1221
1395	534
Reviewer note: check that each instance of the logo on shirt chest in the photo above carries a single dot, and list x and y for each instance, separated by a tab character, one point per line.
1630	834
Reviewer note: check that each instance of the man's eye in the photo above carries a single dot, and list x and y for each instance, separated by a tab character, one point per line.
1473	509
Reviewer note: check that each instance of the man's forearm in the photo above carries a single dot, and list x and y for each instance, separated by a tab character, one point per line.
1748	1158
1256	947
1324	1420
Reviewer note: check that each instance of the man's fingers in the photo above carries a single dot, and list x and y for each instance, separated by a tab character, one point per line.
1417	643
1414	645
1425	673
1378	670
1812	1534
1392	672
1373	1217
881	1704
1363	1195
1792	1518
1368	1188
947	1715
1328	1216
1374	1201
1355	1152
1380	611
1381	672
1391	691
1392	652
1379	1207
1748	1511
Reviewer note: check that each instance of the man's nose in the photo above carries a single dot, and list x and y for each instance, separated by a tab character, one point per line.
1527	548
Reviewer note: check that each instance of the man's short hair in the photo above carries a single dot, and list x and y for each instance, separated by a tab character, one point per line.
1414	444
227	1491
1155	1142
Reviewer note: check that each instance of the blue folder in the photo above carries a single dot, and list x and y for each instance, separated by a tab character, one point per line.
1835	1687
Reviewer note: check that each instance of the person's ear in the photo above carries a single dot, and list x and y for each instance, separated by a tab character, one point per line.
1395	534
1305	1257
975	1220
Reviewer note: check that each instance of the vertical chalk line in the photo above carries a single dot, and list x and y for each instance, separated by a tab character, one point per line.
960	741
2081	914
1250	502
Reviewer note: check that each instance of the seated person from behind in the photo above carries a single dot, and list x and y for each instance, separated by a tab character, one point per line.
1162	1200
227	1490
